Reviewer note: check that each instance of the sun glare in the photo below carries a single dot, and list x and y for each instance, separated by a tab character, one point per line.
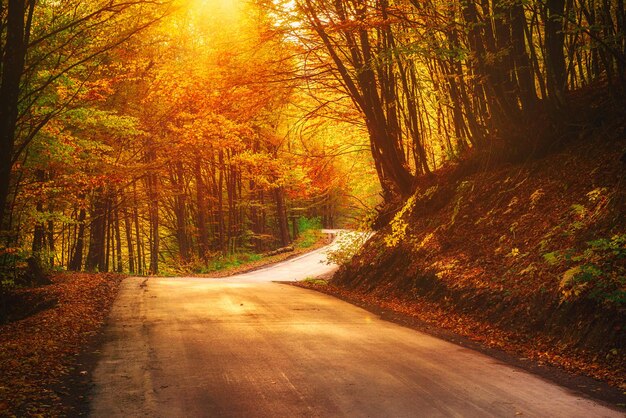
222	8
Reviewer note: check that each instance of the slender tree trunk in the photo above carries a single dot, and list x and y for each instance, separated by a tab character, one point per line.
555	54
255	218
504	65
154	243
281	216
63	226
180	210
201	201
490	91
109	248
231	195
140	253
76	263
50	236
523	67
39	230
153	210
97	233
129	240
38	234
220	205
118	237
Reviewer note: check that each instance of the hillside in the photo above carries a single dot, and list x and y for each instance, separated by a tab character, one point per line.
528	257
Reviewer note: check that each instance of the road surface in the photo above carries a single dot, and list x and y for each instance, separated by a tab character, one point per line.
248	347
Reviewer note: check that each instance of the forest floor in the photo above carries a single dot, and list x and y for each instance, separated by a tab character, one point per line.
52	326
526	258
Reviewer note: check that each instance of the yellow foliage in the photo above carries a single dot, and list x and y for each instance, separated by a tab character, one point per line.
535	197
399	225
568	287
427	239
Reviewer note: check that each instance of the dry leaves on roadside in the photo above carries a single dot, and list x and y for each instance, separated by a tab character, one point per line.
37	351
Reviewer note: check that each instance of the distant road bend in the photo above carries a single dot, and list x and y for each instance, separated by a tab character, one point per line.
246	346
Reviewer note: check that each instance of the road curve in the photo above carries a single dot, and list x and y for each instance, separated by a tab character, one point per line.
248	347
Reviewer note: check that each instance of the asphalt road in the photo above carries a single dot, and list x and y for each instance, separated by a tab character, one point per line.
248	347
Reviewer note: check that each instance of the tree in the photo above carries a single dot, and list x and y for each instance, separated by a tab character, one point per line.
45	42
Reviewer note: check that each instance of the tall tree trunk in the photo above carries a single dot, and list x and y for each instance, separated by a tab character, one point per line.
14	52
140	253
523	67
39	230
255	216
118	237
231	194
109	248
180	210
129	240
490	91
201	201
38	234
281	216
153	211
97	233
154	242
50	239
555	54
219	192
76	262
504	65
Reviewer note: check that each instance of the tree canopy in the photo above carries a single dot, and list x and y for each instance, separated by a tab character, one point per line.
149	136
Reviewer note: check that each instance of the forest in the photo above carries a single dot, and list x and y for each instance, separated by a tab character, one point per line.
147	136
482	140
138	138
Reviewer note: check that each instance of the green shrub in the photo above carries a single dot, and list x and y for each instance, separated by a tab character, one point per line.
307	224
309	230
598	273
308	238
13	266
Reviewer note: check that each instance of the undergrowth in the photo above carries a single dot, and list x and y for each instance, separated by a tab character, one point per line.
346	246
310	232
598	272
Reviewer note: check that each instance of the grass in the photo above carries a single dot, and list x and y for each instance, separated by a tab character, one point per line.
315	281
231	261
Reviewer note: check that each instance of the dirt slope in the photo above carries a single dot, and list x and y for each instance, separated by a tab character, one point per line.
529	257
